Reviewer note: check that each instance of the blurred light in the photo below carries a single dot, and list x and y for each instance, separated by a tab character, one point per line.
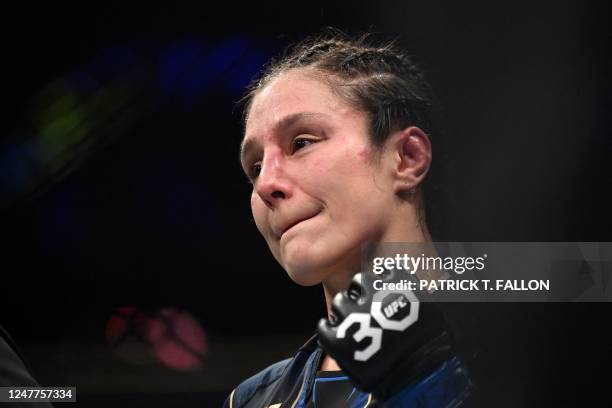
71	119
208	71
170	336
176	61
178	340
80	113
126	332
241	75
188	68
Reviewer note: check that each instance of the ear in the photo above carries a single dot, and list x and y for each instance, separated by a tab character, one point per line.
412	151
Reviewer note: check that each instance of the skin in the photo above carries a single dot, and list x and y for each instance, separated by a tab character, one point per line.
320	189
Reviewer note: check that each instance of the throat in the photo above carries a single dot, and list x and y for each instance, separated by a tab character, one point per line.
329	364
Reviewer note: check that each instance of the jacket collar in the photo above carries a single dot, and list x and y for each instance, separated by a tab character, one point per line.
312	343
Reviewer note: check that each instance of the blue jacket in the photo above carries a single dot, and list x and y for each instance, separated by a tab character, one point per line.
289	384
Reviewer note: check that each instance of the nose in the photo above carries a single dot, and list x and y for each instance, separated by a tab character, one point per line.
272	184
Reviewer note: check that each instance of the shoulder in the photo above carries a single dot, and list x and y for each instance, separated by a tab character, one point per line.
249	387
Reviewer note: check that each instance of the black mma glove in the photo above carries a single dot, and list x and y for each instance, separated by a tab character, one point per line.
384	343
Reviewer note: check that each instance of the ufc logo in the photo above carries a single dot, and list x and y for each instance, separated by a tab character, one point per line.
394	306
408	299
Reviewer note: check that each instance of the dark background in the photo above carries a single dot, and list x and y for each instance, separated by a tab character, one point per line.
120	184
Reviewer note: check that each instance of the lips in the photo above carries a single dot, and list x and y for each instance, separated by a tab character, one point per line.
286	226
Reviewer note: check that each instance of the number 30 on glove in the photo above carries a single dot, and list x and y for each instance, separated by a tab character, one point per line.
384	342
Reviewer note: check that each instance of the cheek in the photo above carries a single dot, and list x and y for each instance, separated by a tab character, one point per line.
347	163
347	176
360	199
259	213
355	161
363	154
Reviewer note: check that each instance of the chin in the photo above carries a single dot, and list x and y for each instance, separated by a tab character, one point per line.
309	265
305	272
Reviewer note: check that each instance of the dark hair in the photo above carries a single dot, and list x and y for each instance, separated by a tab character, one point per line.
378	79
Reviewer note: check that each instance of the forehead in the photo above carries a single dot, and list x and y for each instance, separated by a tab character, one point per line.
292	93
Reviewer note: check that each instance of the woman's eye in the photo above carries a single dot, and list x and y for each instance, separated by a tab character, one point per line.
300	143
254	171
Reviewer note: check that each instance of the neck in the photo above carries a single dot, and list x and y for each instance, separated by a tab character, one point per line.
341	279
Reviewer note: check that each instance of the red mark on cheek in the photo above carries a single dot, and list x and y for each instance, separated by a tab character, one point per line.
364	154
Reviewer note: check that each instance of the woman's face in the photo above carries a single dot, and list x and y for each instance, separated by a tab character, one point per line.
317	193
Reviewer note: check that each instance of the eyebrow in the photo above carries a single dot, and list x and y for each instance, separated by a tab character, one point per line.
248	145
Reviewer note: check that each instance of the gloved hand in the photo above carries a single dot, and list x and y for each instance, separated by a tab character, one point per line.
384	343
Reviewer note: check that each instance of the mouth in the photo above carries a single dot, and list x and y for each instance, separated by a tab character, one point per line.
299	221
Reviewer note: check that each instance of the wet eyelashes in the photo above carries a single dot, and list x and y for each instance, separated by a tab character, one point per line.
254	171
300	143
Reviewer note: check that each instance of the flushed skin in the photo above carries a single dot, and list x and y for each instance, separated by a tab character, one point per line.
320	189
